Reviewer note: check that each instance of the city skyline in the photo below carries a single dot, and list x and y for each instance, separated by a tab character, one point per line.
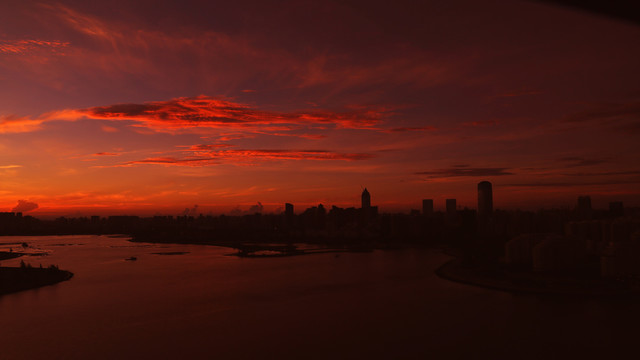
120	108
483	209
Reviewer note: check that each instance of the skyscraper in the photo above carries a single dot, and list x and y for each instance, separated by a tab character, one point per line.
616	208
485	198
583	208
451	206
366	199
451	215
427	206
288	209
584	202
288	215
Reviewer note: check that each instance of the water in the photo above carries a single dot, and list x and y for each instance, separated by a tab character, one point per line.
205	304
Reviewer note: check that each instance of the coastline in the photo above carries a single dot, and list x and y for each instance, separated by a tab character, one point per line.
532	283
253	249
4	255
15	279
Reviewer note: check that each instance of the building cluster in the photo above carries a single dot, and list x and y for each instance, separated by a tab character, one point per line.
558	240
605	243
13	223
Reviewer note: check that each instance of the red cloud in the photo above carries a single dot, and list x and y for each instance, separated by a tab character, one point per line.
205	111
206	147
16	124
406	129
289	155
481	123
205	156
172	161
106	154
22	47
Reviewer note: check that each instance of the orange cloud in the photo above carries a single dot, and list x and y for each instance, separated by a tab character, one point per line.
109	129
406	129
200	113
205	111
481	123
16	124
465	170
171	161
206	147
290	155
205	156
22	47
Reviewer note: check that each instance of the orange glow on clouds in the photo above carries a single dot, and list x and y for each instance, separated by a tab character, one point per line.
21	47
111	109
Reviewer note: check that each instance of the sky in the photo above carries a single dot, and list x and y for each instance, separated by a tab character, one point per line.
153	107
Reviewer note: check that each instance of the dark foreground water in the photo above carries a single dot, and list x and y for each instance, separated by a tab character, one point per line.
204	304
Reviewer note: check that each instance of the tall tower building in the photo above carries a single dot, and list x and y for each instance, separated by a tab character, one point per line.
616	208
451	215
451	206
427	206
288	209
584	202
366	199
485	198
288	215
583	209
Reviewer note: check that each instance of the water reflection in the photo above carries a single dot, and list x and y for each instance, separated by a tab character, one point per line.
195	301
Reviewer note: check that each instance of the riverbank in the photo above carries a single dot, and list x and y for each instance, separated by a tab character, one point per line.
25	277
6	255
253	249
14	279
498	277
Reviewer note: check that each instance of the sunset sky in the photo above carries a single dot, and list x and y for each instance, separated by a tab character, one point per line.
150	107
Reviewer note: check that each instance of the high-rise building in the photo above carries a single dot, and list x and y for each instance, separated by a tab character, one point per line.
366	199
451	206
485	198
583	208
451	215
427	206
584	202
288	209
616	208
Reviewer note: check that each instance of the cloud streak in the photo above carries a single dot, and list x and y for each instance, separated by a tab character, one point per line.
204	156
29	46
570	184
581	161
205	111
607	111
463	170
17	124
409	129
193	114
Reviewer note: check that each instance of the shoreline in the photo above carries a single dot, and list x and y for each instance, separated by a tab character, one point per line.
253	249
6	255
16	279
532	283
